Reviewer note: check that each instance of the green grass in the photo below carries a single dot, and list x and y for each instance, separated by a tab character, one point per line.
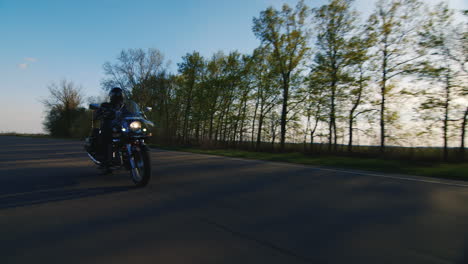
454	171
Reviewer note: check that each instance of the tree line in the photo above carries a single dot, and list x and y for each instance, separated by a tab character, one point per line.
321	75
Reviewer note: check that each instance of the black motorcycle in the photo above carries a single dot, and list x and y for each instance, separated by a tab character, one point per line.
129	150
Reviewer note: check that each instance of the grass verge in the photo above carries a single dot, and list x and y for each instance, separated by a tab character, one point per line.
14	134
453	171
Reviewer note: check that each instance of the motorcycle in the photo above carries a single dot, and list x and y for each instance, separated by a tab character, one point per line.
129	150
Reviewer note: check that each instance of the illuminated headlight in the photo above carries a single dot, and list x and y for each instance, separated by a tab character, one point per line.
135	125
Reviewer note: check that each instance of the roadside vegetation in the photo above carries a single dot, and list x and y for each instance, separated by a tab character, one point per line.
15	134
323	82
453	171
413	164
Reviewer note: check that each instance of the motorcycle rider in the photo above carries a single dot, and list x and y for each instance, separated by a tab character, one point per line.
107	113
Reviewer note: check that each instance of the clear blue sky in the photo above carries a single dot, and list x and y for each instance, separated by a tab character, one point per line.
45	41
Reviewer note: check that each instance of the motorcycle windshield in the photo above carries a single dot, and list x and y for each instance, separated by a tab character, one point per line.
133	111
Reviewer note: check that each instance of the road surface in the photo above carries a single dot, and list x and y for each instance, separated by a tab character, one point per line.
54	208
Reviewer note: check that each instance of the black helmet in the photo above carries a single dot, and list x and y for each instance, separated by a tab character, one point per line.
116	96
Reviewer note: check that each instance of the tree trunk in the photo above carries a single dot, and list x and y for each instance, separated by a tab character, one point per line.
273	136
210	133
253	122
218	126
259	133
197	131
312	135
446	116
350	140
188	105
335	136
284	111
332	124
239	119
307	129
241	134
383	91
353	109
463	133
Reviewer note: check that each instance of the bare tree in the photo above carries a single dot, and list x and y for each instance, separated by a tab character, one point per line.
133	67
62	107
64	95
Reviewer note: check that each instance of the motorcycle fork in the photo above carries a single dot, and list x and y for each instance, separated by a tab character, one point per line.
130	156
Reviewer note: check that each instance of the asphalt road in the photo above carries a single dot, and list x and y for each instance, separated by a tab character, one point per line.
54	208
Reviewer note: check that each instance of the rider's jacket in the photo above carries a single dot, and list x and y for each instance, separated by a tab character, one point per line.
108	112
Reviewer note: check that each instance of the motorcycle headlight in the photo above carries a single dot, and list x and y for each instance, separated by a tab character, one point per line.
135	125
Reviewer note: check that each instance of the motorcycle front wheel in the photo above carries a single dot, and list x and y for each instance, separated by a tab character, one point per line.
141	174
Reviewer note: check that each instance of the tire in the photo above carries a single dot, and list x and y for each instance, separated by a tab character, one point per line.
143	168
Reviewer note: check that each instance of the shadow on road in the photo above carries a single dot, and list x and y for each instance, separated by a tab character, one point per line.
34	171
54	195
208	209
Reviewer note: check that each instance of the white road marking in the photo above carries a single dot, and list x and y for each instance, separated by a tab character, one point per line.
411	178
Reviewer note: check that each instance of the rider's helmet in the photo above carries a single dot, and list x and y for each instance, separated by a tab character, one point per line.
116	96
